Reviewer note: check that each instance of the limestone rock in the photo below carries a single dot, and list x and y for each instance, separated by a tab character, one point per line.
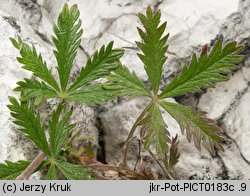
191	24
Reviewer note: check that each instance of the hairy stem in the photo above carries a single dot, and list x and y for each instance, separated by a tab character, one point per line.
32	167
131	133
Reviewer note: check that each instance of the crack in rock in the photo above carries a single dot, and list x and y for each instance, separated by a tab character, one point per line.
101	154
12	21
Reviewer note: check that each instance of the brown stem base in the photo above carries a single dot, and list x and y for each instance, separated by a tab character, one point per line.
32	167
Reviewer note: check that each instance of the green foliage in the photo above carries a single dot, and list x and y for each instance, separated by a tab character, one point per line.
126	83
102	63
153	46
52	173
67	40
10	170
153	126
74	172
60	129
201	73
34	88
32	61
90	95
29	122
197	127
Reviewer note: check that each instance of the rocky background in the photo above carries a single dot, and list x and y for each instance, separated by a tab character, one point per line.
191	24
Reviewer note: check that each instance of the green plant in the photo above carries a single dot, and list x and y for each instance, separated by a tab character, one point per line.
45	86
202	72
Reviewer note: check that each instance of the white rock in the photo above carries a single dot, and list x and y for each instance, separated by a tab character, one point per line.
194	23
10	74
218	100
117	122
191	24
85	118
237	124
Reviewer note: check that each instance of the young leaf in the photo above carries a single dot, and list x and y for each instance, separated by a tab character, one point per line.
51	175
73	172
197	127
202	72
34	88
154	127
30	123
67	40
60	129
34	63
173	154
10	170
103	61
123	82
90	95
153	46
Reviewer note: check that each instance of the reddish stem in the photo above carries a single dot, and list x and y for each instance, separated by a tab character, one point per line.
32	167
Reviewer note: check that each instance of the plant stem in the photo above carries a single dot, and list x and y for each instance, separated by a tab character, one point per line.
32	167
139	154
131	133
157	161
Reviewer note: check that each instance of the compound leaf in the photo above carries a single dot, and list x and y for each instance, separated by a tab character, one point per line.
205	70
29	122
67	40
73	172
34	62
197	127
153	46
10	170
123	82
102	63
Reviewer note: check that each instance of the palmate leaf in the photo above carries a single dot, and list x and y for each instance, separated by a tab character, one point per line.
34	62
102	63
90	95
197	127
153	46
153	128
60	129
205	70
29	122
67	40
123	82
10	170
34	88
73	172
